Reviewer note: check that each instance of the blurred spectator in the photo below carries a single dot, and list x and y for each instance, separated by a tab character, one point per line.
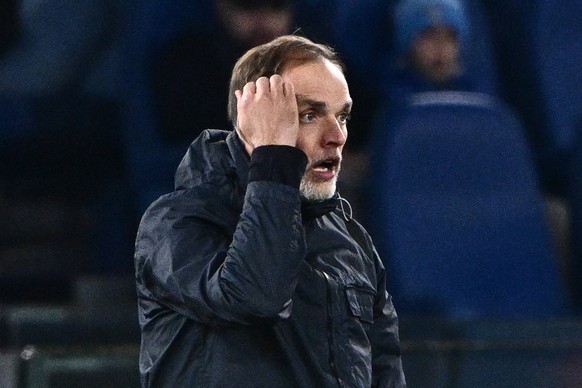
60	151
430	36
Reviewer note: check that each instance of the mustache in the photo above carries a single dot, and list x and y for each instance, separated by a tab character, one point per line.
328	160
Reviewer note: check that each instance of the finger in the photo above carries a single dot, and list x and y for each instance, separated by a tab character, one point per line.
262	85
238	94
288	89
249	88
276	84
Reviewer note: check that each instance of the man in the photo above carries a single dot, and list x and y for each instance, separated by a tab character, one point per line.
248	274
430	35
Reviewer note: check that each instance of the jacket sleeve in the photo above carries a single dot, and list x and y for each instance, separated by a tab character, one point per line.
185	260
387	368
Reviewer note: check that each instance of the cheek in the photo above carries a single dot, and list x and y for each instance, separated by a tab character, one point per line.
304	146
306	140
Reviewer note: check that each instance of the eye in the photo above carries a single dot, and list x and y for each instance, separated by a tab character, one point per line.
307	117
344	117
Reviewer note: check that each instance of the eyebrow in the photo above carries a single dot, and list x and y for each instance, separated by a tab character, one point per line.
319	105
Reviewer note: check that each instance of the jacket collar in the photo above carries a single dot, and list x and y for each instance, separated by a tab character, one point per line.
240	158
312	210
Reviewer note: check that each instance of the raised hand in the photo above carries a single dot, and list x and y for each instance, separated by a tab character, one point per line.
267	113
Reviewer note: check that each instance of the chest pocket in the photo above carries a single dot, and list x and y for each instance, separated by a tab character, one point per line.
361	303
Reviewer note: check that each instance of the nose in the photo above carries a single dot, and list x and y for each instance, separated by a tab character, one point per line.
335	133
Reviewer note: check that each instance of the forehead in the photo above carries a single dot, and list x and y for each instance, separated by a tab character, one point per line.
321	80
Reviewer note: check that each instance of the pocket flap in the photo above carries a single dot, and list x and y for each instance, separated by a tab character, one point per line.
361	303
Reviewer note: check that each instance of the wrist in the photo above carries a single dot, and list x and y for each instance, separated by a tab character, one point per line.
278	163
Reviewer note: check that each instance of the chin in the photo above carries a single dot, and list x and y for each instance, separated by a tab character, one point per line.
317	191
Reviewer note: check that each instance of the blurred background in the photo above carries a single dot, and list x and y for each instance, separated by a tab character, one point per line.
464	162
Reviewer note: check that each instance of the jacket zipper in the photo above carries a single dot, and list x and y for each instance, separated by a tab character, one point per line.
330	336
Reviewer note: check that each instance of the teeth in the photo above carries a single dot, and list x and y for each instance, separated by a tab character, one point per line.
324	166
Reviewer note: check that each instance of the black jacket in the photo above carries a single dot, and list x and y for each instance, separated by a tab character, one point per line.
240	285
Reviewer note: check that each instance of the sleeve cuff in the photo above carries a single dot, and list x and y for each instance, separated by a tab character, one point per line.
278	163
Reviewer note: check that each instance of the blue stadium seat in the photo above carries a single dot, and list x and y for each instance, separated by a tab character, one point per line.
458	217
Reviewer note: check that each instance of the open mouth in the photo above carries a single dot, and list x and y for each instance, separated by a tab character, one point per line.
326	168
326	165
